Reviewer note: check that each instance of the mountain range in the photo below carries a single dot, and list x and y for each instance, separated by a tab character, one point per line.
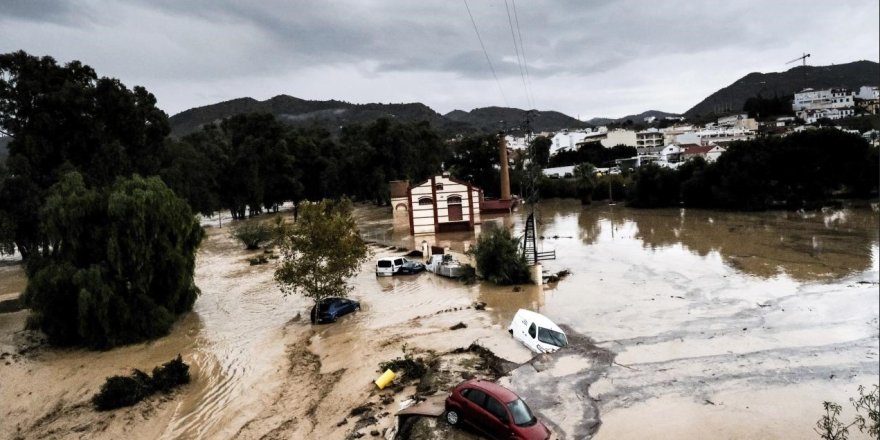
334	114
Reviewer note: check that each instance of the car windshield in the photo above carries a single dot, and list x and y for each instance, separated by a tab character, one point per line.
522	415
551	337
384	263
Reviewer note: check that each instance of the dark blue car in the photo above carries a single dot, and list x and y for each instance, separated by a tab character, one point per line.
330	309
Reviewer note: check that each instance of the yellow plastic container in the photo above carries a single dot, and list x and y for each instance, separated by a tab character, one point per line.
385	379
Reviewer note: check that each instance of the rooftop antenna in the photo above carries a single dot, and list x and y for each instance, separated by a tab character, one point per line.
803	60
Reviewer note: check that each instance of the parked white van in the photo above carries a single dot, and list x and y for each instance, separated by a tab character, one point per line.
388	266
537	332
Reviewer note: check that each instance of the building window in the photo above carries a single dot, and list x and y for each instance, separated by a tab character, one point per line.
439	186
426	201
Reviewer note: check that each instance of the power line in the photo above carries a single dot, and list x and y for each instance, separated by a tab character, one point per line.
522	49
519	61
491	67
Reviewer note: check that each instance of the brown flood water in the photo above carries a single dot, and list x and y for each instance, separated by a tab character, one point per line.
723	325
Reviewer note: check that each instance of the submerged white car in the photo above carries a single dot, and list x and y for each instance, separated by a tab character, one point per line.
537	332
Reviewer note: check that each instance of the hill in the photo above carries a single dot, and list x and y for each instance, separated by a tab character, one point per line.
635	118
328	114
489	119
333	114
731	98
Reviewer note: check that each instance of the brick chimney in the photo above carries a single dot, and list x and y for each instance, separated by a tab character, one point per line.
505	173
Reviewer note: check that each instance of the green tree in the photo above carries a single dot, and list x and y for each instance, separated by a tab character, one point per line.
585	175
474	159
64	118
121	262
321	251
499	257
541	148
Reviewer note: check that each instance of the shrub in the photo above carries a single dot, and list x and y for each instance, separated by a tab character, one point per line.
121	391
171	374
499	257
253	234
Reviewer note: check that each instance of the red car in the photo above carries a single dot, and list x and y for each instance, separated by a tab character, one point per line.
494	411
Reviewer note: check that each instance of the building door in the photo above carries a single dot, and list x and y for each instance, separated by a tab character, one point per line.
454	207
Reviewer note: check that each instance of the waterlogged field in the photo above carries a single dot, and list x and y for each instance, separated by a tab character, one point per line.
684	324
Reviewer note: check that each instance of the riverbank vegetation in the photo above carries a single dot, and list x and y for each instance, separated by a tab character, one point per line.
121	391
802	170
499	257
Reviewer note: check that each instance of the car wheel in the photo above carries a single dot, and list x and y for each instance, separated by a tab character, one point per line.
333	319
452	417
357	308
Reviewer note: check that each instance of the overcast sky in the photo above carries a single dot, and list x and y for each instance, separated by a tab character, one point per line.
584	58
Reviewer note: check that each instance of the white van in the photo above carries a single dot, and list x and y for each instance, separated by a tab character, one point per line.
388	266
537	332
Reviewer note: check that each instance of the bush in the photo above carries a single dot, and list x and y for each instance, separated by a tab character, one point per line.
171	374
499	257
253	234
121	391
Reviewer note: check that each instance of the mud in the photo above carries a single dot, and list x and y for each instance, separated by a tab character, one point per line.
696	324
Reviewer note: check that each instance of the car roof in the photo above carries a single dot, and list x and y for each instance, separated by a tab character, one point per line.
492	388
537	318
388	258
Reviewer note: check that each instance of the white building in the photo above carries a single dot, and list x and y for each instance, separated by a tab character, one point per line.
516	142
671	153
715	135
868	92
566	140
619	137
811	116
649	141
439	204
810	99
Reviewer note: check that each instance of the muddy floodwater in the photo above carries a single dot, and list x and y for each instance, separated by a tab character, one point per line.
684	324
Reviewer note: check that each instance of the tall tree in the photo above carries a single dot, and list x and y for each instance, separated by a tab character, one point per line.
121	264
321	251
64	118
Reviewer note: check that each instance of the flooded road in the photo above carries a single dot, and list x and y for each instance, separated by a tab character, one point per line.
713	325
724	324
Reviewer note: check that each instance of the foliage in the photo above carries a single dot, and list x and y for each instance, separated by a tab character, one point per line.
321	251
594	153
829	426
121	391
499	257
541	147
765	108
796	171
64	118
474	159
585	175
253	234
870	403
654	187
409	365
170	375
121	264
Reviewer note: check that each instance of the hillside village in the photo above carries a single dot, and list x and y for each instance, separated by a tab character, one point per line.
678	140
